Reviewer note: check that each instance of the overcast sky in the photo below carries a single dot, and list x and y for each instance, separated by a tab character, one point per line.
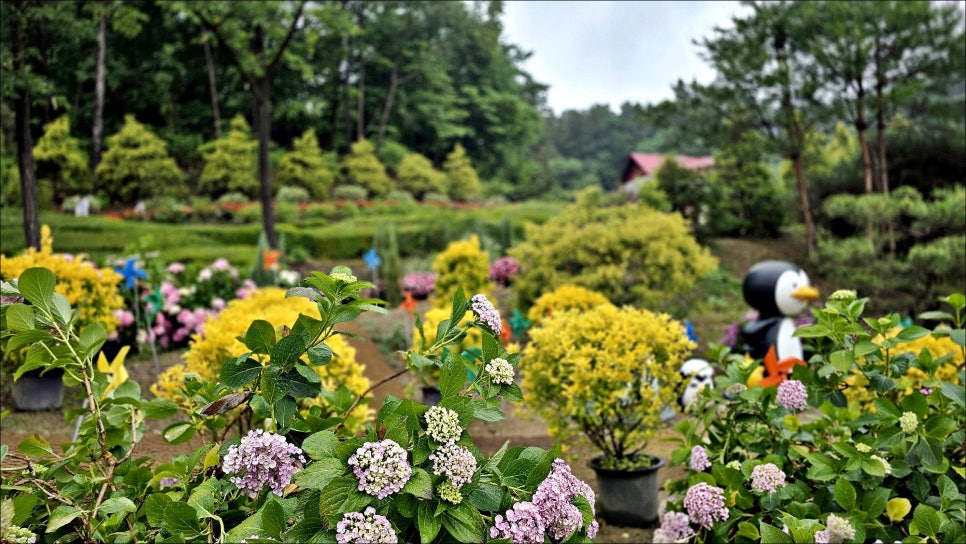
592	52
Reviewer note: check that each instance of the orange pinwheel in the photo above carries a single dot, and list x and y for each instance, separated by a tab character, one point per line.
778	371
270	259
409	304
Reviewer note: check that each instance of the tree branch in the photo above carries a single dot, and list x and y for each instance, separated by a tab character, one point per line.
288	37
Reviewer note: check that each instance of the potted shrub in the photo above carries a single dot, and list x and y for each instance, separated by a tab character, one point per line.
604	374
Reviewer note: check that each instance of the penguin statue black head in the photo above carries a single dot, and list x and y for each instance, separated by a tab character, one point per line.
777	288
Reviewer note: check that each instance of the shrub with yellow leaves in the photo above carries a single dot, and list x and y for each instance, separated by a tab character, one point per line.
219	343
463	262
91	290
565	297
605	373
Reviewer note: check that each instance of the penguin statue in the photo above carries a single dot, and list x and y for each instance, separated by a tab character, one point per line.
779	291
698	374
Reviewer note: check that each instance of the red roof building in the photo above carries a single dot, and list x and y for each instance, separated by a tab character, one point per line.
644	165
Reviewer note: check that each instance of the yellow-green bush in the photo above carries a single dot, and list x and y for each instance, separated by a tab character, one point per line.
230	163
304	166
914	379
604	373
60	161
362	168
463	262
90	290
565	297
219	343
417	175
462	181
136	165
631	254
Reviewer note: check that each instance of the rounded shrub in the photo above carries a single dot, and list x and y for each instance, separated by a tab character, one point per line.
563	298
363	168
462	263
631	254
349	192
230	163
305	167
417	175
136	165
292	194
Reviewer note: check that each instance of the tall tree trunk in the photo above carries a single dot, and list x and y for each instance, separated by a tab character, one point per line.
880	117
213	88
333	112
25	145
387	107
810	236
97	133
361	106
862	127
264	135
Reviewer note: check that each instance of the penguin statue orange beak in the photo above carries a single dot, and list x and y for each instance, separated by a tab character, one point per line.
805	293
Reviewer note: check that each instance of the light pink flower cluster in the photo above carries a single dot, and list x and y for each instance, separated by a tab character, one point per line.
699	459
767	478
248	287
675	527
705	504
792	395
455	462
381	467
419	284
366	527
486	313
551	512
836	530
261	459
504	269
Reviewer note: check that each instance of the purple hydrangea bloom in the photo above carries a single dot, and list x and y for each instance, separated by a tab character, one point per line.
381	467
699	459
367	527
705	504
554	497
455	462
262	459
487	314
675	526
168	481
767	478
792	395
504	269
522	525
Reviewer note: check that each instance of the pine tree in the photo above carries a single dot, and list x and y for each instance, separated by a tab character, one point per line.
305	166
60	162
461	178
363	168
230	165
417	175
136	165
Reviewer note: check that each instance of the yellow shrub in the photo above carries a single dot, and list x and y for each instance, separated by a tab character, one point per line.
565	297
463	262
914	378
92	291
219	343
606	372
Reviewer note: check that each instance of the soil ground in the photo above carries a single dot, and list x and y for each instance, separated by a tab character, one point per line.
517	429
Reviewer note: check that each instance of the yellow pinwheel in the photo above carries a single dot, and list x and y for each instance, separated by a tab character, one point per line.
115	370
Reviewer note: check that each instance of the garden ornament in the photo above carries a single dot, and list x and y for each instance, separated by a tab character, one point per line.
130	272
699	375
779	291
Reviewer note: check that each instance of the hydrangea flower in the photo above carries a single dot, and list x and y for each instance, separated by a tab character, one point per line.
705	504
522	525
365	527
675	527
792	395
500	371
381	467
836	530
455	462
767	478
20	535
168	481
735	464
443	425
554	497
863	448
449	493
699	459
262	459
486	313
908	422
885	464
843	295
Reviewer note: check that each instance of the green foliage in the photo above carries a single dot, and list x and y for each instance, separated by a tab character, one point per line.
305	167
632	254
60	161
866	467
417	175
686	190
292	195
136	165
363	168
392	153
349	192
745	200
461	179
230	164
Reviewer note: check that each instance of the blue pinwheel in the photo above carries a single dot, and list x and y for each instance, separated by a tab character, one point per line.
689	330
372	259
130	272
